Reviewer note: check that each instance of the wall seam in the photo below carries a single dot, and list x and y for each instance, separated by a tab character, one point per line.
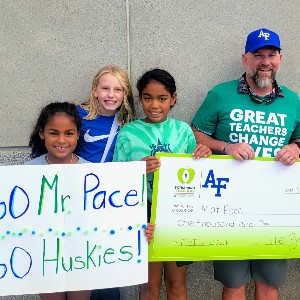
128	39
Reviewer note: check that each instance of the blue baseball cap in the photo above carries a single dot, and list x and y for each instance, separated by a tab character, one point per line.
261	38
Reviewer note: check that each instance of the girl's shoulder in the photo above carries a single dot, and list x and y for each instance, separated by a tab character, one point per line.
82	112
179	124
141	125
40	160
82	160
132	125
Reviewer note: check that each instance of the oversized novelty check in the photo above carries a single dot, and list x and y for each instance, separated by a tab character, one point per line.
218	208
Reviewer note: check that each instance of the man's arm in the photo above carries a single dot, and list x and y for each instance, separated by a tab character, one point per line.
296	142
240	151
214	145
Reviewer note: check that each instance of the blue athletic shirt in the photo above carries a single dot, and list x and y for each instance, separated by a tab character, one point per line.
93	137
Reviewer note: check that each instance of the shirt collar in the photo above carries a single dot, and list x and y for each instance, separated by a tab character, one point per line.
243	87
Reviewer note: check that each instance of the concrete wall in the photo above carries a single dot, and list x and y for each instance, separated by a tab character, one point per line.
50	51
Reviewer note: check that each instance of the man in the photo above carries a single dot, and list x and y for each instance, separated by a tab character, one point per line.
249	117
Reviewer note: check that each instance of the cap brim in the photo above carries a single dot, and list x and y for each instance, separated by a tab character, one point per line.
254	48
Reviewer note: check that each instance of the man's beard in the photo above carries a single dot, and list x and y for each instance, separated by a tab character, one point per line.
261	82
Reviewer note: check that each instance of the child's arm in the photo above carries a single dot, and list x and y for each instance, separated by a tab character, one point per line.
201	151
152	163
149	232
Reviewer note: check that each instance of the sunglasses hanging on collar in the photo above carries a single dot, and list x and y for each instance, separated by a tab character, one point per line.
259	100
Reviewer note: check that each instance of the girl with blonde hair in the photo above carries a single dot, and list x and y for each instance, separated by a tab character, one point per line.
111	105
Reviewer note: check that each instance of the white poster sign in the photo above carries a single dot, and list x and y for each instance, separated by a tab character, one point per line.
72	227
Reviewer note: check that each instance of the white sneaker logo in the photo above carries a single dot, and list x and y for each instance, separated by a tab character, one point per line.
90	139
266	35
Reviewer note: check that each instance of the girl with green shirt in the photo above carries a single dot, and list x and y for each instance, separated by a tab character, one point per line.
140	140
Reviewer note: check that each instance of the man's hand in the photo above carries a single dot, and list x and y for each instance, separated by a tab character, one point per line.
240	151
288	154
201	151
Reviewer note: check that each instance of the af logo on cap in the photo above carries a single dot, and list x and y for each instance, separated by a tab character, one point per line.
266	35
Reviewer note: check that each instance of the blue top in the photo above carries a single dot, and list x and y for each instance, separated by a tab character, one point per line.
93	137
41	160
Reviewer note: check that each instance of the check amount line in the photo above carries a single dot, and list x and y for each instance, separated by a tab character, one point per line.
271	214
275	226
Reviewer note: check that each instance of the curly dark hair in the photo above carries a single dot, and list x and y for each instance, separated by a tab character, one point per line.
37	144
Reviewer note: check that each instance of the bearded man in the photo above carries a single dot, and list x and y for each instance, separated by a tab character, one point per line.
249	117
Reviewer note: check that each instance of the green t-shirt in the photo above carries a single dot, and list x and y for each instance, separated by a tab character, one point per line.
139	139
233	117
